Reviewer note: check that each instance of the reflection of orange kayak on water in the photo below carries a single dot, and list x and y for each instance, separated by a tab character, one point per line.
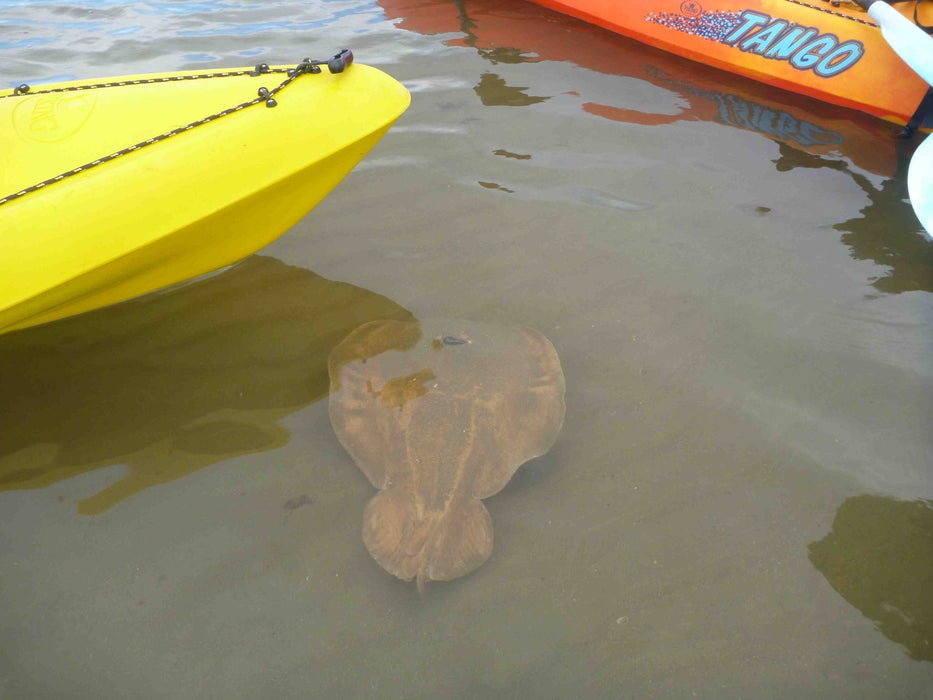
507	31
832	51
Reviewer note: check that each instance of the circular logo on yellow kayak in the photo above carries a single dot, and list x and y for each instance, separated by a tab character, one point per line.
691	9
55	117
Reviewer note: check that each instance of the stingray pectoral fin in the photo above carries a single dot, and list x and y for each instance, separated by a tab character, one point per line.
430	546
522	420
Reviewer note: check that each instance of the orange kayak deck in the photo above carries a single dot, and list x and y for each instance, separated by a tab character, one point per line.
831	51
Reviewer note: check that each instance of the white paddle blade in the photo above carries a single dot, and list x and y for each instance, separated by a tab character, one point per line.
908	40
920	184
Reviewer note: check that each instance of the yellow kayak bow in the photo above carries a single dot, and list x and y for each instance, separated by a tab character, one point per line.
113	188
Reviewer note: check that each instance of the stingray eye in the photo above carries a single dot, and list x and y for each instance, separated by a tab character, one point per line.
455	340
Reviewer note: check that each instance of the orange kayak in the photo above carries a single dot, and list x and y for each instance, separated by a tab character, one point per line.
829	50
513	31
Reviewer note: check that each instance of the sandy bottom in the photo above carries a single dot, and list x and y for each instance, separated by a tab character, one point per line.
738	505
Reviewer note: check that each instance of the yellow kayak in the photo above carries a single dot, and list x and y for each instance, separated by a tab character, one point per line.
113	188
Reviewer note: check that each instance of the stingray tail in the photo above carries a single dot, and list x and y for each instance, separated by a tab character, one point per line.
429	545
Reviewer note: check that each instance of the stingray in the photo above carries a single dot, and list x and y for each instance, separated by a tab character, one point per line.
439	415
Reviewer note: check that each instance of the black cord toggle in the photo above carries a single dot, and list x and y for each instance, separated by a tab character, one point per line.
21	89
306	66
336	64
260	69
340	60
267	96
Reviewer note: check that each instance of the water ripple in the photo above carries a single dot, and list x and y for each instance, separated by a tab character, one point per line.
139	37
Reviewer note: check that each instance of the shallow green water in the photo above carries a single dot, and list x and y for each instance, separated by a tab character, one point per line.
739	504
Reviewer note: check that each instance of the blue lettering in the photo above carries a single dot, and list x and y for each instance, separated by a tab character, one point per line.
812	53
752	20
760	41
766	122
738	112
844	56
811	134
754	117
723	107
787	126
805	48
790	42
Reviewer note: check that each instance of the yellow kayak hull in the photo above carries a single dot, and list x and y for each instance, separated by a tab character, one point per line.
179	207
